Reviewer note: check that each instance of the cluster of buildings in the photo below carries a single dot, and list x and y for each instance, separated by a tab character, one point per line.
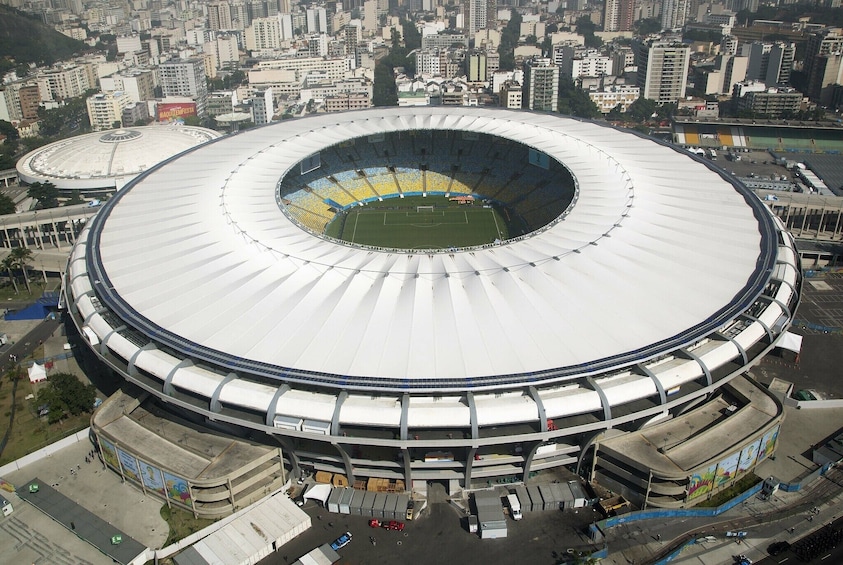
320	56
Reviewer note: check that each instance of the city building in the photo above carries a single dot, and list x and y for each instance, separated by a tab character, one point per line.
262	107
618	15
772	102
608	98
511	95
821	43
541	85
139	84
105	110
662	69
674	14
185	78
348	101
479	14
64	81
770	62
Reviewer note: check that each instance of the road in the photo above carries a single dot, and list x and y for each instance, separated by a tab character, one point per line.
27	344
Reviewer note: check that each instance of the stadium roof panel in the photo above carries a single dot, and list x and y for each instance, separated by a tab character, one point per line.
657	252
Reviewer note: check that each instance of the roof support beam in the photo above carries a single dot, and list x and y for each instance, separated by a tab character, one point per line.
659	387
472	410
534	394
335	418
215	398
688	355
763	325
405	411
168	382
133	372
604	400
272	410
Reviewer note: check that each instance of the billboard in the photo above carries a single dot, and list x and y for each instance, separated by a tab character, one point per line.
726	469
177	488
129	464
702	482
109	454
152	477
168	112
539	159
768	444
748	456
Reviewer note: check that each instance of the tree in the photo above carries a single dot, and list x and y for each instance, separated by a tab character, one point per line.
20	257
65	394
6	205
648	26
575	101
75	198
8	266
45	193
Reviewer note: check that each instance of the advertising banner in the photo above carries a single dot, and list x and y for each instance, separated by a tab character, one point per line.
151	477
129	464
177	488
701	483
726	469
768	444
109	454
748	456
168	112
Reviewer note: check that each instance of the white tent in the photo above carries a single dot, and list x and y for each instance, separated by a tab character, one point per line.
791	342
318	492
37	373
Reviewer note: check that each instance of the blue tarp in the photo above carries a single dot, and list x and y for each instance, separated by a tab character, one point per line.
35	311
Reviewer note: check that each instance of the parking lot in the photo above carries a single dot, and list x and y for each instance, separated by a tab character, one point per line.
440	536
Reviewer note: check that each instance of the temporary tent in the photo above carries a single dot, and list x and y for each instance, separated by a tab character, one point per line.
37	373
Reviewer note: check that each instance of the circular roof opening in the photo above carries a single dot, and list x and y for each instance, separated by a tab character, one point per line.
119	135
427	190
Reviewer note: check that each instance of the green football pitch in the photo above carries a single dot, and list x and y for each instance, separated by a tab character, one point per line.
409	223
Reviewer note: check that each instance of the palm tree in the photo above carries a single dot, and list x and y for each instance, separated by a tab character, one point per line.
8	264
20	258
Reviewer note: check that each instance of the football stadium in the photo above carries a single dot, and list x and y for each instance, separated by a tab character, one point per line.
430	296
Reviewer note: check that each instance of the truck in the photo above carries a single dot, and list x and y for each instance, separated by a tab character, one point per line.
514	506
712	154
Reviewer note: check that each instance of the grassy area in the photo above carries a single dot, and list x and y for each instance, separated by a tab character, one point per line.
7	291
30	432
399	223
741	485
182	523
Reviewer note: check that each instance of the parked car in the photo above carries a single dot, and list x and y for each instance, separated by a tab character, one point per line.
394	525
341	541
374	523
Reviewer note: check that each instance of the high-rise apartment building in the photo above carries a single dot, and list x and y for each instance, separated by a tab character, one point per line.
541	85
480	14
618	15
66	81
264	33
662	69
674	13
771	62
819	68
185	77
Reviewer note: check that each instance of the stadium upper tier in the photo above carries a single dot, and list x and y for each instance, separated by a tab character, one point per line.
663	278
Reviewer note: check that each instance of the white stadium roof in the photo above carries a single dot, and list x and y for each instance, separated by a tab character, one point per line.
658	251
108	159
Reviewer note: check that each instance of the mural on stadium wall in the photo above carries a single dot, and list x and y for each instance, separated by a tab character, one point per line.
109	454
726	469
768	444
129	464
701	483
177	488
152	478
748	457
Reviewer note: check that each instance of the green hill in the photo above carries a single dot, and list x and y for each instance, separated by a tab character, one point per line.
24	39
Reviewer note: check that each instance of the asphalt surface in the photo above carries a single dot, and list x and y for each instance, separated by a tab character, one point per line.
28	343
439	536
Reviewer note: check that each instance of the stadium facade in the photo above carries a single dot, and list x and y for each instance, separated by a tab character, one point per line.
657	282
